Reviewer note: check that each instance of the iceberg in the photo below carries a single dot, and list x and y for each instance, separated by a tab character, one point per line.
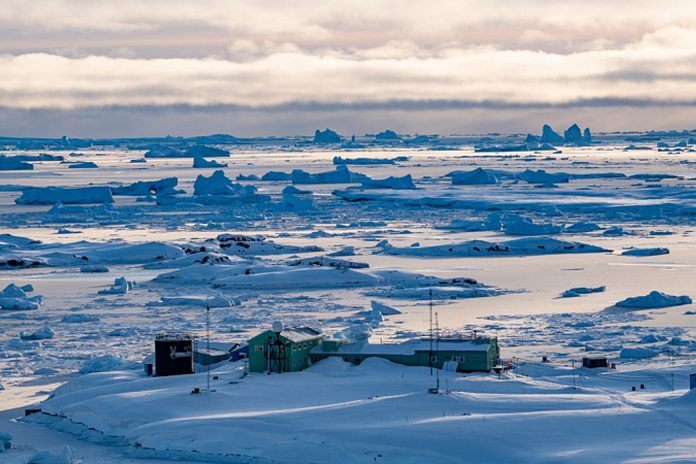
548	135
341	175
387	136
276	175
518	225
395	183
326	136
163	151
219	184
204	151
199	162
543	177
154	187
573	135
478	176
14	164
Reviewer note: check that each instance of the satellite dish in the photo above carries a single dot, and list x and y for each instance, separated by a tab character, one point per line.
278	327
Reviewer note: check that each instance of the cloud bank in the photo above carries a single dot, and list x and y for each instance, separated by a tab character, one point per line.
346	56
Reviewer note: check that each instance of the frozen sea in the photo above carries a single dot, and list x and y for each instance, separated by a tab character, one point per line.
641	198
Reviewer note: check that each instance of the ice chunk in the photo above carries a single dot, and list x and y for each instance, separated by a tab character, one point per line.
578	291
93	269
152	187
65	195
652	300
121	286
582	227
16	298
615	231
83	165
276	175
14	164
219	184
518	225
345	251
341	175
199	162
42	334
478	176
387	135
395	183
543	177
326	136
645	252
383	308
204	151
164	151
46	457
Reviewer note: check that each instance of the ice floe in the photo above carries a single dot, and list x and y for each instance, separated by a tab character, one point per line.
65	195
14	297
518	247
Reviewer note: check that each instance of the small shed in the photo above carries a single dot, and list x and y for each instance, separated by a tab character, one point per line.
283	351
592	363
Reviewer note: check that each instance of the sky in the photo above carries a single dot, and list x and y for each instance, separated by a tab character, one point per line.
90	68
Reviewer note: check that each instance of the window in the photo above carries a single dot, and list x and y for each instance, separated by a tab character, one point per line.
258	348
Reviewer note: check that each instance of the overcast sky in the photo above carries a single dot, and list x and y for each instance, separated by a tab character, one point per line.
157	67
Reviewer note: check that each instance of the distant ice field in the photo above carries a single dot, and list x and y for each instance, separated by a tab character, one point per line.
648	201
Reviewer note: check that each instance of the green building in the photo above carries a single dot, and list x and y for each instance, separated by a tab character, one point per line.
287	350
461	354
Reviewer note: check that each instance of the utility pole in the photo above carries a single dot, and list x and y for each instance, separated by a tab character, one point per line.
207	348
430	354
437	334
